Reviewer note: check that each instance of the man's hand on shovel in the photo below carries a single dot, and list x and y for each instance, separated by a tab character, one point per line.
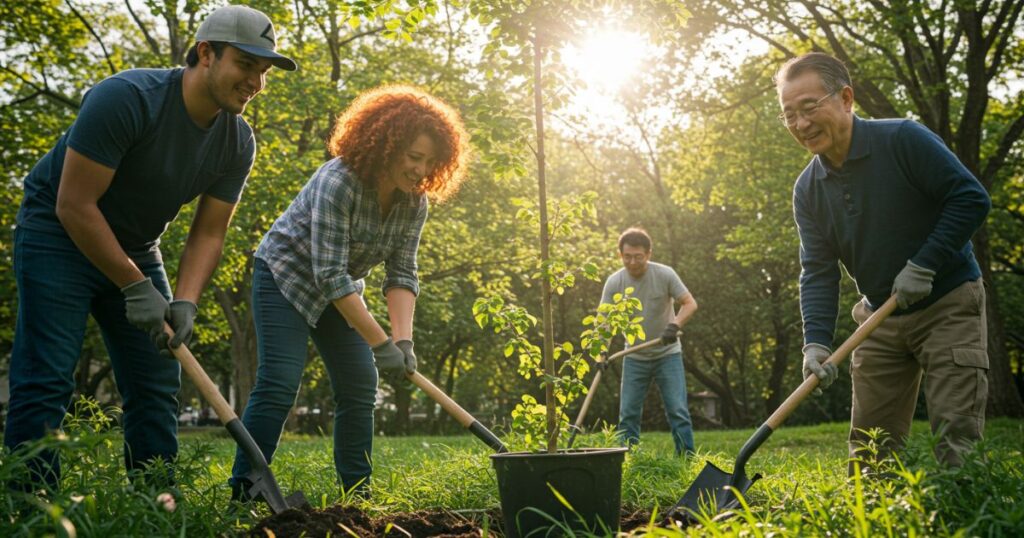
181	318
671	334
815	356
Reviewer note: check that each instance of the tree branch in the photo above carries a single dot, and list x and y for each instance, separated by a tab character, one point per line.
17	102
1016	215
356	36
89	27
995	162
154	47
1010	265
45	89
1005	34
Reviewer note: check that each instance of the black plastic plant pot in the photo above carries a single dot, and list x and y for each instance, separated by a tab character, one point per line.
589	480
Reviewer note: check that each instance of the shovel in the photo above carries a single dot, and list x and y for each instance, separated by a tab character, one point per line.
715	488
264	486
457	412
578	425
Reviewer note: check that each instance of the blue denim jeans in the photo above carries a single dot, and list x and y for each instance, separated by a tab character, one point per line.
282	340
58	288
670	376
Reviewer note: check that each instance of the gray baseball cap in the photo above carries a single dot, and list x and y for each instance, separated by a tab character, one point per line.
246	29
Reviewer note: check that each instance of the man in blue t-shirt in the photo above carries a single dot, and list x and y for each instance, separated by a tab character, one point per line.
659	290
145	142
895	206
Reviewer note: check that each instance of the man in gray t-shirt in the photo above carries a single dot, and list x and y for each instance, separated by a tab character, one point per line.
658	288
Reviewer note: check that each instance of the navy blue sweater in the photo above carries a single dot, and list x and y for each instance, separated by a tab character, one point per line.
900	195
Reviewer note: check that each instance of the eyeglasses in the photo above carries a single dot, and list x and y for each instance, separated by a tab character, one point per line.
790	118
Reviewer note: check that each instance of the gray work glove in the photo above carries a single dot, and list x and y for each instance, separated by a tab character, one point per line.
182	319
388	357
912	284
410	355
671	334
815	356
601	363
145	307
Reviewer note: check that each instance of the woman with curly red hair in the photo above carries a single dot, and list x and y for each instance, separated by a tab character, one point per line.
394	147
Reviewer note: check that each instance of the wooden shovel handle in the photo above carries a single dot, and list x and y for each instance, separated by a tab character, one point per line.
634	349
202	381
836	358
597	379
455	410
586	401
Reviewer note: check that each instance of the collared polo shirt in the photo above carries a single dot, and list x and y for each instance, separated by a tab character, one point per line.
900	195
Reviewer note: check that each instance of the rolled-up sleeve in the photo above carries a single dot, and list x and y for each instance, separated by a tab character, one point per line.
400	267
332	204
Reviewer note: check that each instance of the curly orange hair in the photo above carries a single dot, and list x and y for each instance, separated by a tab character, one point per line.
381	123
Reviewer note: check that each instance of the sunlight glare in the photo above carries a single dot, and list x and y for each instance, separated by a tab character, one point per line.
607	59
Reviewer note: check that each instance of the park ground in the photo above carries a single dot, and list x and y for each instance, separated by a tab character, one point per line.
448	482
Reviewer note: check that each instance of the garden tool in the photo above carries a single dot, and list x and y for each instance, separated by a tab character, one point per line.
715	490
264	486
457	412
578	425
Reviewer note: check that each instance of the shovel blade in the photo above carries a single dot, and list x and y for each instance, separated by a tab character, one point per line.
712	492
264	487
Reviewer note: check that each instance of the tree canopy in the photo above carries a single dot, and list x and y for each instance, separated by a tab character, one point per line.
688	148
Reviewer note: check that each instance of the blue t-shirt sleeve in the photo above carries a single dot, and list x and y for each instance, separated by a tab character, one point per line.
819	274
112	118
937	172
229	187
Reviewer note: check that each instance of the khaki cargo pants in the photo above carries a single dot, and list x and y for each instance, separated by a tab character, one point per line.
946	345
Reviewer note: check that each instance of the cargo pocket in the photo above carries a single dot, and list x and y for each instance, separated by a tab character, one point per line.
975	361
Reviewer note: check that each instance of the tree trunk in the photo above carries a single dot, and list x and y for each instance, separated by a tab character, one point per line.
243	368
434	417
92	386
403	399
731	412
780	363
82	374
1004	398
780	354
449	378
545	283
243	340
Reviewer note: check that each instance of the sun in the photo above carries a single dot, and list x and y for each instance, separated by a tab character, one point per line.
607	59
604	62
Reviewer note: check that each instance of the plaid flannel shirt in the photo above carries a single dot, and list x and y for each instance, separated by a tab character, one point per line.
333	234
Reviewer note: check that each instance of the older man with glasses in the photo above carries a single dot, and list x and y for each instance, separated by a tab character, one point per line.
890	201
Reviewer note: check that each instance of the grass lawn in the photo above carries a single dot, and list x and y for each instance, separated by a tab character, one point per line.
805	490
